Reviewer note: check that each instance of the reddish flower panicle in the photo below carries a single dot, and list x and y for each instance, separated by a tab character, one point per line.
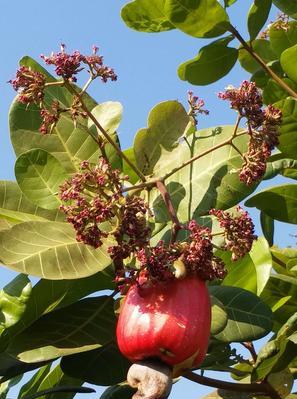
92	194
238	231
49	118
30	85
66	65
96	67
263	128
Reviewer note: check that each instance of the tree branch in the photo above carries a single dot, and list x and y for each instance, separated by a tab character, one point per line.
261	62
104	132
261	387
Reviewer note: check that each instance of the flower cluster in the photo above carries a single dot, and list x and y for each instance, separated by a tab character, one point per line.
92	197
263	128
68	65
30	85
238	231
196	106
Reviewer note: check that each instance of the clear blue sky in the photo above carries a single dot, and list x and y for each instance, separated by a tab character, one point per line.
146	66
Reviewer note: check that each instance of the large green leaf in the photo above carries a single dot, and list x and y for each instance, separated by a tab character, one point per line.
198	18
146	16
288	131
14	298
167	122
262	48
248	317
267	226
34	382
210	182
281	39
273	92
251	272
212	63
287	59
16	208
127	170
82	326
69	144
288	7
219	316
278	202
50	250
257	16
103	366
39	175
48	295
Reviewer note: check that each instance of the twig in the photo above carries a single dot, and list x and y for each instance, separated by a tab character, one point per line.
250	347
169	205
104	132
261	387
261	62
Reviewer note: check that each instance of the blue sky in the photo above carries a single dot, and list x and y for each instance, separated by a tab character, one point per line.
145	63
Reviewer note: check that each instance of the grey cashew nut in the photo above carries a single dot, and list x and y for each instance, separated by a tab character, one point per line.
153	379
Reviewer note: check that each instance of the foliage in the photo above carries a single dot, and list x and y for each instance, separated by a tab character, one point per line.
177	174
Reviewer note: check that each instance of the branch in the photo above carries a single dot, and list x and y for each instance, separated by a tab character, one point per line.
261	62
262	387
250	347
104	132
169	205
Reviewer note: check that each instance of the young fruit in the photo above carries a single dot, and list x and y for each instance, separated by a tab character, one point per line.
169	321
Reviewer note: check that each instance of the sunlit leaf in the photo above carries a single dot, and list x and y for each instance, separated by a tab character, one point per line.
257	16
262	48
287	62
281	39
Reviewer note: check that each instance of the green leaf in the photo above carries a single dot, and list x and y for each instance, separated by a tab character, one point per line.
39	176
16	208
109	115
282	382
210	182
202	18
287	59
103	366
281	39
127	170
146	16
262	48
14	298
54	380
118	392
273	92
82	326
280	294
34	382
219	316
11	367
69	144
288	130
261	78
167	122
267	225
5	386
50	250
212	63
288	7
279	202
251	272
248	317
48	295
280	164
224	394
257	16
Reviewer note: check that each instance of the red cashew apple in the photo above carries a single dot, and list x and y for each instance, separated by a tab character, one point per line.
169	321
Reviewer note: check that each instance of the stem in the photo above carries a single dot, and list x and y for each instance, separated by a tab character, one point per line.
169	205
261	387
89	81
250	347
261	62
196	157
148	184
104	132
